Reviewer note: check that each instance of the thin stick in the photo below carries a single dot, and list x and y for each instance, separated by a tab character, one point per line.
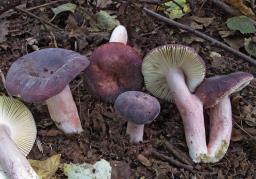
171	160
177	153
242	129
36	17
225	7
179	164
201	35
46	4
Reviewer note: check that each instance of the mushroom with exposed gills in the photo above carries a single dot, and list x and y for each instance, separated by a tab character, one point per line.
138	109
44	75
172	72
214	93
17	137
115	68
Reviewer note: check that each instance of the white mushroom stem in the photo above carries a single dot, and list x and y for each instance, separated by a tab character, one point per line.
13	162
119	34
135	131
191	111
220	131
63	112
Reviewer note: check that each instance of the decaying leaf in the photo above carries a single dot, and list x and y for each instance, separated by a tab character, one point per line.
242	24
175	9
100	170
235	42
68	7
47	168
106	21
205	21
250	46
239	4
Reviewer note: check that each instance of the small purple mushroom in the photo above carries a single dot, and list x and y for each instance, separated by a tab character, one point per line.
44	75
137	108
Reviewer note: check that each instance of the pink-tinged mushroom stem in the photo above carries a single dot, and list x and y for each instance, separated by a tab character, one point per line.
220	131
191	111
119	34
135	131
13	162
63	112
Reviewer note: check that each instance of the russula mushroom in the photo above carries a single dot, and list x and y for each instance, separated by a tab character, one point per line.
115	68
138	109
17	136
172	72
44	75
214	93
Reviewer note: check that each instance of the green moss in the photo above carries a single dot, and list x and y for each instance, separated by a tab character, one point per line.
218	155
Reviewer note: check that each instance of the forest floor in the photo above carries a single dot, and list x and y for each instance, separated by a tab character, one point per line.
104	132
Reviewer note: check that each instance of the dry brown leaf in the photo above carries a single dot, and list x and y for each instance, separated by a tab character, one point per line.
144	160
239	4
205	21
236	135
235	42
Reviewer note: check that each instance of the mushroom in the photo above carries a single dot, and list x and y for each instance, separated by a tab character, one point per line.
172	72
214	93
44	75
138	109
17	137
115	68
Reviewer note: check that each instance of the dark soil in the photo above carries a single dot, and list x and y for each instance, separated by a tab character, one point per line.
104	132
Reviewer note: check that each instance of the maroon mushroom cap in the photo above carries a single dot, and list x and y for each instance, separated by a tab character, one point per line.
42	74
114	69
137	107
212	90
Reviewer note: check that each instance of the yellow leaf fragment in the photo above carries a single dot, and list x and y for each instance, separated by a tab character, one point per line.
46	168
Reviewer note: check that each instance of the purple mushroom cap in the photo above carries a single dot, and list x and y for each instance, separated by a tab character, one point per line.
37	76
137	107
214	89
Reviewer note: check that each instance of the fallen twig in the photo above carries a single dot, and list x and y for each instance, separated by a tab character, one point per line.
201	35
46	4
171	160
240	127
177	153
179	164
36	17
225	7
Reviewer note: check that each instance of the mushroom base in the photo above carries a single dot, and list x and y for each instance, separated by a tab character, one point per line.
63	112
135	131
221	129
11	159
191	111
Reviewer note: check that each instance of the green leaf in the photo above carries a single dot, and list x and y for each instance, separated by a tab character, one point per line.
250	46
242	24
106	21
68	7
175	9
100	170
47	168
